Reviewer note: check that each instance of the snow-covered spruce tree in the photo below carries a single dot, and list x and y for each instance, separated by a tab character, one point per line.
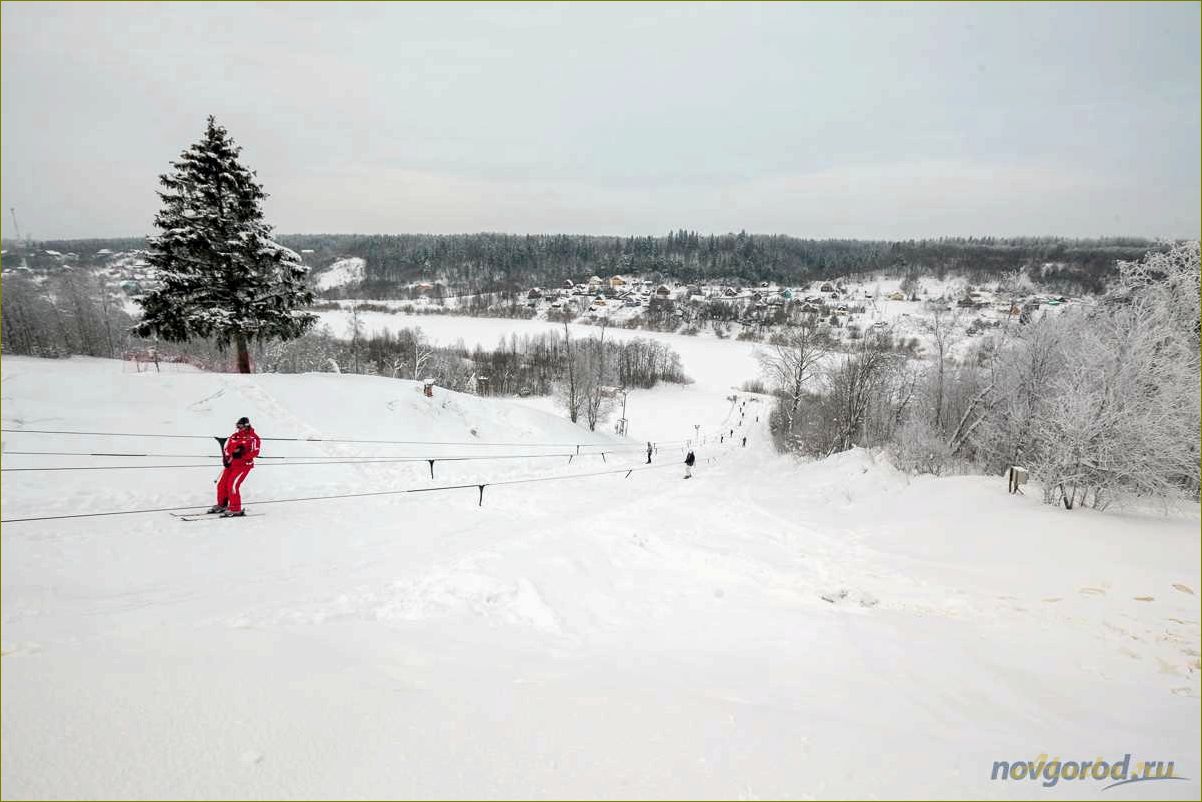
217	272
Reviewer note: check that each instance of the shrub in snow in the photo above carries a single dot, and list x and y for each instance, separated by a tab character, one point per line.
919	448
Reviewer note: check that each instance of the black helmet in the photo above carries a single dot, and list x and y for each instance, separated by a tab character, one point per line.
243	421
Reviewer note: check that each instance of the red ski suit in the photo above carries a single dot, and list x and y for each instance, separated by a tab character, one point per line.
240	451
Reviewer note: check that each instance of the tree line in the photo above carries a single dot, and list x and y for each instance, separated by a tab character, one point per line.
490	262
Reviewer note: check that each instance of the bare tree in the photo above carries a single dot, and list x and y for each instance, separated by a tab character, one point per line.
942	328
595	399
422	353
790	360
354	327
570	388
854	382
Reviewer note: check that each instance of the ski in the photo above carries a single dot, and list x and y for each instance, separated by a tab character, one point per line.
214	517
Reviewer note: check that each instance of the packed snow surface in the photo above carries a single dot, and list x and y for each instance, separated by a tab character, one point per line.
765	629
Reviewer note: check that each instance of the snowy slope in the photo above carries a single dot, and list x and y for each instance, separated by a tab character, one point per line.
597	637
342	273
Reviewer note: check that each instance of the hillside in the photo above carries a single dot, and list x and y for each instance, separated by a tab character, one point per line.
768	628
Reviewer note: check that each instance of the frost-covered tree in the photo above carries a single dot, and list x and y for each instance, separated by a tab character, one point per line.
217	271
1104	403
1025	370
1124	418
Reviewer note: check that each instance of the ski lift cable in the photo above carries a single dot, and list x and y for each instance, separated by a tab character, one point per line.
316	461
313	458
475	485
322	439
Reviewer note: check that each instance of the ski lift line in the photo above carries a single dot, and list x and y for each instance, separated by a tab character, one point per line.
314	460
369	461
627	470
322	439
474	485
309	457
122	454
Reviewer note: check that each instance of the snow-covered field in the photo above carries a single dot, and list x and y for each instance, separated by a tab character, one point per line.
717	367
606	636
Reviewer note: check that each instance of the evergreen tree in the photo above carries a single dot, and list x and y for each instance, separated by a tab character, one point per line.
217	271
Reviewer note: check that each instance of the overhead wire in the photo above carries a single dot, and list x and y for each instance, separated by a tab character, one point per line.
473	485
480	486
473	443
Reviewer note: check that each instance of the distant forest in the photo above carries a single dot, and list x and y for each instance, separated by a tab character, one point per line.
508	262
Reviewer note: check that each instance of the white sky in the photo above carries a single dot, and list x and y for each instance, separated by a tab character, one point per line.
873	121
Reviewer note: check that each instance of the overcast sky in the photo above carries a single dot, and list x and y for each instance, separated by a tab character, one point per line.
871	121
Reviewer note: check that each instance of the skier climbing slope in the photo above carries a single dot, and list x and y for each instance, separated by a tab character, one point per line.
239	454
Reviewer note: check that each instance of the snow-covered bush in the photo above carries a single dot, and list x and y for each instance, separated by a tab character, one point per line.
919	448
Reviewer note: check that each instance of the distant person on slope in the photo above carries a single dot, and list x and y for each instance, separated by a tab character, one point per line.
688	465
648	452
238	456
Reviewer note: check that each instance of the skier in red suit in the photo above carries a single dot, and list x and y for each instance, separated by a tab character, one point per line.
239	454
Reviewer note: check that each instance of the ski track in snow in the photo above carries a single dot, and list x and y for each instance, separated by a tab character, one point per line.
767	628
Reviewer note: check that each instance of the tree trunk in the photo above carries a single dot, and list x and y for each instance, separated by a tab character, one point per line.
243	353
